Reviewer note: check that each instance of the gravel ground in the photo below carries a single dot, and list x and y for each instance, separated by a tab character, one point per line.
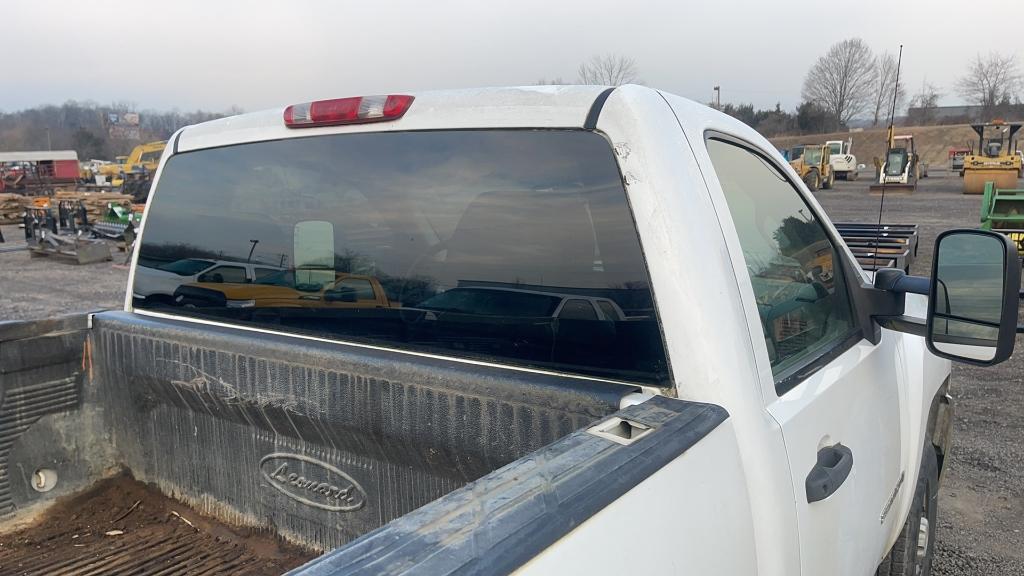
33	288
981	503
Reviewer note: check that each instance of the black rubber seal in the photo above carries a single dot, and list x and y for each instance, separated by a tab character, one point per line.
595	109
174	146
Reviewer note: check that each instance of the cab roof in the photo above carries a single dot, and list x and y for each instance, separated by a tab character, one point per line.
516	107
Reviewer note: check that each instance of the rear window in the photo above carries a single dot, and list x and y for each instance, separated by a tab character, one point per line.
473	239
151	156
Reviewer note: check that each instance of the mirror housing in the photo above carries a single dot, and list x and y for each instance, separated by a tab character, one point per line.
973	297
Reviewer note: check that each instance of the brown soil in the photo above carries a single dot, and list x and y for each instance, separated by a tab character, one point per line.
121	526
931	142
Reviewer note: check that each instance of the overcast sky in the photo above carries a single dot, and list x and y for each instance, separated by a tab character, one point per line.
213	54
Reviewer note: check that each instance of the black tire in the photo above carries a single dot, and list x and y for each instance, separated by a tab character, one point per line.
830	181
913	551
813	180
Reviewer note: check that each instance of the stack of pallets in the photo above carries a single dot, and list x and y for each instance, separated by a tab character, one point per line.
12	207
97	204
881	246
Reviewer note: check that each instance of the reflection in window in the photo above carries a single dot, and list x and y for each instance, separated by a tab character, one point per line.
491	244
220	274
577	310
361	289
800	293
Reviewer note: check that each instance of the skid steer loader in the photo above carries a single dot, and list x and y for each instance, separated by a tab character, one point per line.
901	168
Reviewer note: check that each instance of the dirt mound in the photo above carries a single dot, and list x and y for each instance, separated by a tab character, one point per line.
932	142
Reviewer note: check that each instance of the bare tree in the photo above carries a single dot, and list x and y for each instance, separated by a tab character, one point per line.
991	80
922	106
609	70
556	81
885	80
842	81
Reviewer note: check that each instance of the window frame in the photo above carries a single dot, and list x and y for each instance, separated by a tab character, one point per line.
608	315
793	376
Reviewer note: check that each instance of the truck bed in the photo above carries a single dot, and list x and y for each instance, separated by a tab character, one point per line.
316	443
122	526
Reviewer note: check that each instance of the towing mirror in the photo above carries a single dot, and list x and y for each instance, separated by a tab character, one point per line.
972	304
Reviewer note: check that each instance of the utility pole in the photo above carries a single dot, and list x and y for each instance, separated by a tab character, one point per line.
48	146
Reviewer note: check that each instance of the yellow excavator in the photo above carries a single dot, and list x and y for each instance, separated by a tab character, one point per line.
142	161
996	160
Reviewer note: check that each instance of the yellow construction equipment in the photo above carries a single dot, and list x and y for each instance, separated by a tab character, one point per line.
141	162
112	170
996	160
812	163
901	168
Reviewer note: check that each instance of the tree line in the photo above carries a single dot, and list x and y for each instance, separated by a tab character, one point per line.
851	82
84	127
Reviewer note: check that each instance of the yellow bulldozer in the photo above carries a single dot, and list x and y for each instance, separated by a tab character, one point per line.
812	163
996	160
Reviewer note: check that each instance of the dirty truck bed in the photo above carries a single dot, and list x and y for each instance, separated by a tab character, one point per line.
121	526
258	439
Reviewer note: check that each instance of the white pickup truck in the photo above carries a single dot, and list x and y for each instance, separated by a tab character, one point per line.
751	403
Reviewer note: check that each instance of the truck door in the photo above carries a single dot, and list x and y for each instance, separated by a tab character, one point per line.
837	398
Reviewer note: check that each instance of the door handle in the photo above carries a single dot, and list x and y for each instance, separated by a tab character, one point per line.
833	467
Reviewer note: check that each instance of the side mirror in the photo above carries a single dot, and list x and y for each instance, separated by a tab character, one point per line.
972	304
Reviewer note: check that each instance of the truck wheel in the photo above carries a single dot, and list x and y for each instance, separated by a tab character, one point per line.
912	553
812	180
830	181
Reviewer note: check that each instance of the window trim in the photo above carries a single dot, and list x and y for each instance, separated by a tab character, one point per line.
797	374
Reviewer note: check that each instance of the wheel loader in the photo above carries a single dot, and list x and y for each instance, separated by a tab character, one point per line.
812	163
996	160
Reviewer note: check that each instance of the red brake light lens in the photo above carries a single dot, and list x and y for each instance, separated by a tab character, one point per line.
358	110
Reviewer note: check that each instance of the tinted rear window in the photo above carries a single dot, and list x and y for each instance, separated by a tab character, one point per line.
461	243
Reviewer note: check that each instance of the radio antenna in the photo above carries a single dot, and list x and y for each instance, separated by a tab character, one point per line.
888	149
